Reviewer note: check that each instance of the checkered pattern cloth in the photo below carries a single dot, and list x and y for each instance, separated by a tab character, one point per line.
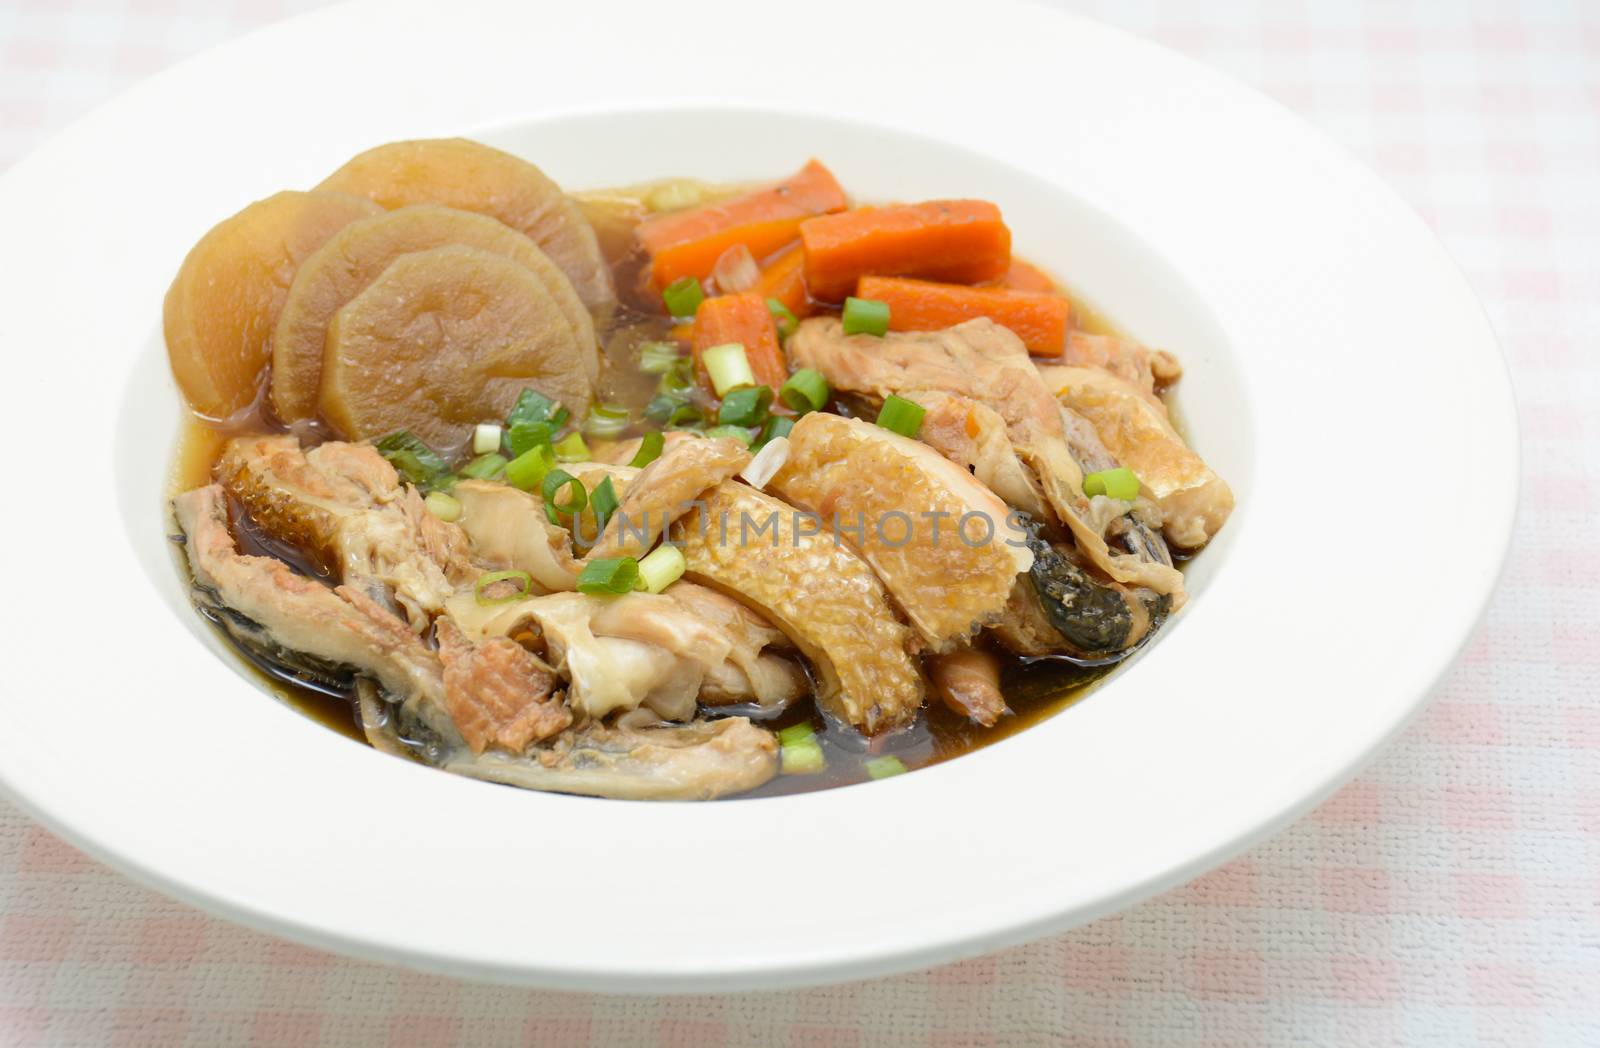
1450	896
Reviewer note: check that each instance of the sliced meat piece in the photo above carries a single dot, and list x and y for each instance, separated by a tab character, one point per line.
985	362
497	692
656	651
507	529
822	596
339	626
343	504
1141	368
937	538
665	490
623	451
689	762
751	672
973	435
1193	500
968	682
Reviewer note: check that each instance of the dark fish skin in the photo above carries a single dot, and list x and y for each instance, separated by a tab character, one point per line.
1092	617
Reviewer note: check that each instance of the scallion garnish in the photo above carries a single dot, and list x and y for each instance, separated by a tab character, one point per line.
901	416
683	296
446	507
685	415
533	406
883	767
736	432
527	471
523	436
614	575
484	467
865	316
524	580
650	446
661	567
657	358
784	316
485	438
571	448
577	498
728	367
805	391
800	750
419	464
777	426
1117	483
679	378
606	421
745	406
603	499
661	407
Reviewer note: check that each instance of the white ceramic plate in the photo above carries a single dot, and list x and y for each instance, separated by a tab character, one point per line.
1340	375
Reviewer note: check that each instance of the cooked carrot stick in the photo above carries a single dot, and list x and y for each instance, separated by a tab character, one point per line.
960	241
1025	276
688	243
742	318
784	279
1041	321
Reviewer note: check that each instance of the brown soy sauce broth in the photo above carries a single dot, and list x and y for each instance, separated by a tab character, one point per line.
1034	689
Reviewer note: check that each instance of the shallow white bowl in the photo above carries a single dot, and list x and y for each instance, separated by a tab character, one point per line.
1339	374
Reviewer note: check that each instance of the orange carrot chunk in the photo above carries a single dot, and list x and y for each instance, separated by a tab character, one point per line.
1025	276
1041	321
742	318
784	279
688	243
959	241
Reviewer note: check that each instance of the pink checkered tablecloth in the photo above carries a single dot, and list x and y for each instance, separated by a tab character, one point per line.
1450	896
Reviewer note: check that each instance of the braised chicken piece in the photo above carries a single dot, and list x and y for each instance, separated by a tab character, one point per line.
664	491
344	504
682	762
938	539
497	692
507	529
1143	369
968	682
824	597
1193	500
982	361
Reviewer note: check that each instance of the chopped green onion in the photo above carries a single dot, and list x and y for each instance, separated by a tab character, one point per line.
485	581
524	436
604	501
657	358
609	575
533	406
728	367
571	448
650	446
797	733
805	391
485	467
660	408
679	378
1118	483
685	415
683	296
527	471
865	316
883	767
419	464
485	438
777	426
901	416
745	406
552	485
606	421
445	507
663	566
803	757
784	317
737	433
